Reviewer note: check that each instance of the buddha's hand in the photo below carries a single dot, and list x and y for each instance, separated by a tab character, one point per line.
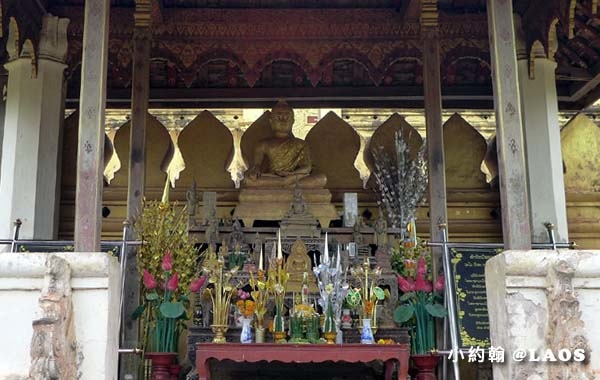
284	173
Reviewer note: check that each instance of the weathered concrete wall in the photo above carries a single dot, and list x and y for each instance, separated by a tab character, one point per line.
94	283
543	302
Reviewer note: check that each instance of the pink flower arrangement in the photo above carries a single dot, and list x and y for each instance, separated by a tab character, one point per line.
164	308
421	303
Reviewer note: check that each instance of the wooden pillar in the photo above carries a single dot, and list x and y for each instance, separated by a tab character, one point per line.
90	146
140	92
433	118
509	134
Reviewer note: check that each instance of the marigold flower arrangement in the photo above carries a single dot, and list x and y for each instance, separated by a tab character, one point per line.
245	307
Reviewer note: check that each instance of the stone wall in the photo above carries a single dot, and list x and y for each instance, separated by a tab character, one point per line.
545	303
59	315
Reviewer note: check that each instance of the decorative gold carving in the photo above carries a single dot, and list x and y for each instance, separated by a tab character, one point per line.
360	164
332	134
159	153
566	329
384	137
571	18
580	145
464	150
237	166
309	37
429	19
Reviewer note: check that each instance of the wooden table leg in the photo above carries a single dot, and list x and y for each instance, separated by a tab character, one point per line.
403	369
203	370
389	369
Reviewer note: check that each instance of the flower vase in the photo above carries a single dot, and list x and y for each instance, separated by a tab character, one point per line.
260	335
161	364
174	370
219	331
330	337
366	335
425	366
246	335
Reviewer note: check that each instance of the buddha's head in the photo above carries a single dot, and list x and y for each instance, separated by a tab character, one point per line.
282	118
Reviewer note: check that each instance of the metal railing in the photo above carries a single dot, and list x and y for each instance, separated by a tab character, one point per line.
451	321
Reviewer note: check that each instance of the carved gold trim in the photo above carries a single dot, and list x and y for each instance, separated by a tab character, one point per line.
429	14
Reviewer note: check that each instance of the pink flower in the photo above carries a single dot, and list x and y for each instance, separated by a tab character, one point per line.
149	281
407	284
439	283
197	284
173	282
421	267
242	294
422	285
167	262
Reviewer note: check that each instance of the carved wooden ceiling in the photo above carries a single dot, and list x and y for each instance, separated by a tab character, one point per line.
329	52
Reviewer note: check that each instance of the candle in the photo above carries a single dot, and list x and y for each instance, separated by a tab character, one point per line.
260	259
326	252
279	252
414	231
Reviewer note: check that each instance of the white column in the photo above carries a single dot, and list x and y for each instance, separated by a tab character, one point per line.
28	176
543	151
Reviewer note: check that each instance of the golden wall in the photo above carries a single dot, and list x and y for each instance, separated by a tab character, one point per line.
215	152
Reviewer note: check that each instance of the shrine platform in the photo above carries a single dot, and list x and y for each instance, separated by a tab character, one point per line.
391	355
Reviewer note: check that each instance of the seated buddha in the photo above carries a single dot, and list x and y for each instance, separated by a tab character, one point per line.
299	267
282	159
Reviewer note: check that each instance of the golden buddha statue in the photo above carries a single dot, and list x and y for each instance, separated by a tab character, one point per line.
299	267
282	160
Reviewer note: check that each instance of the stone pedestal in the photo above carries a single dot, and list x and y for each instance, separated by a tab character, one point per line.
545	302
273	204
94	282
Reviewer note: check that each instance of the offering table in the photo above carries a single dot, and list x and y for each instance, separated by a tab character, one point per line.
304	353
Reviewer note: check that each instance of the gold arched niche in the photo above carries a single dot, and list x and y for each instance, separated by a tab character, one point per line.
580	143
464	151
334	145
206	145
159	152
68	172
260	129
384	138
